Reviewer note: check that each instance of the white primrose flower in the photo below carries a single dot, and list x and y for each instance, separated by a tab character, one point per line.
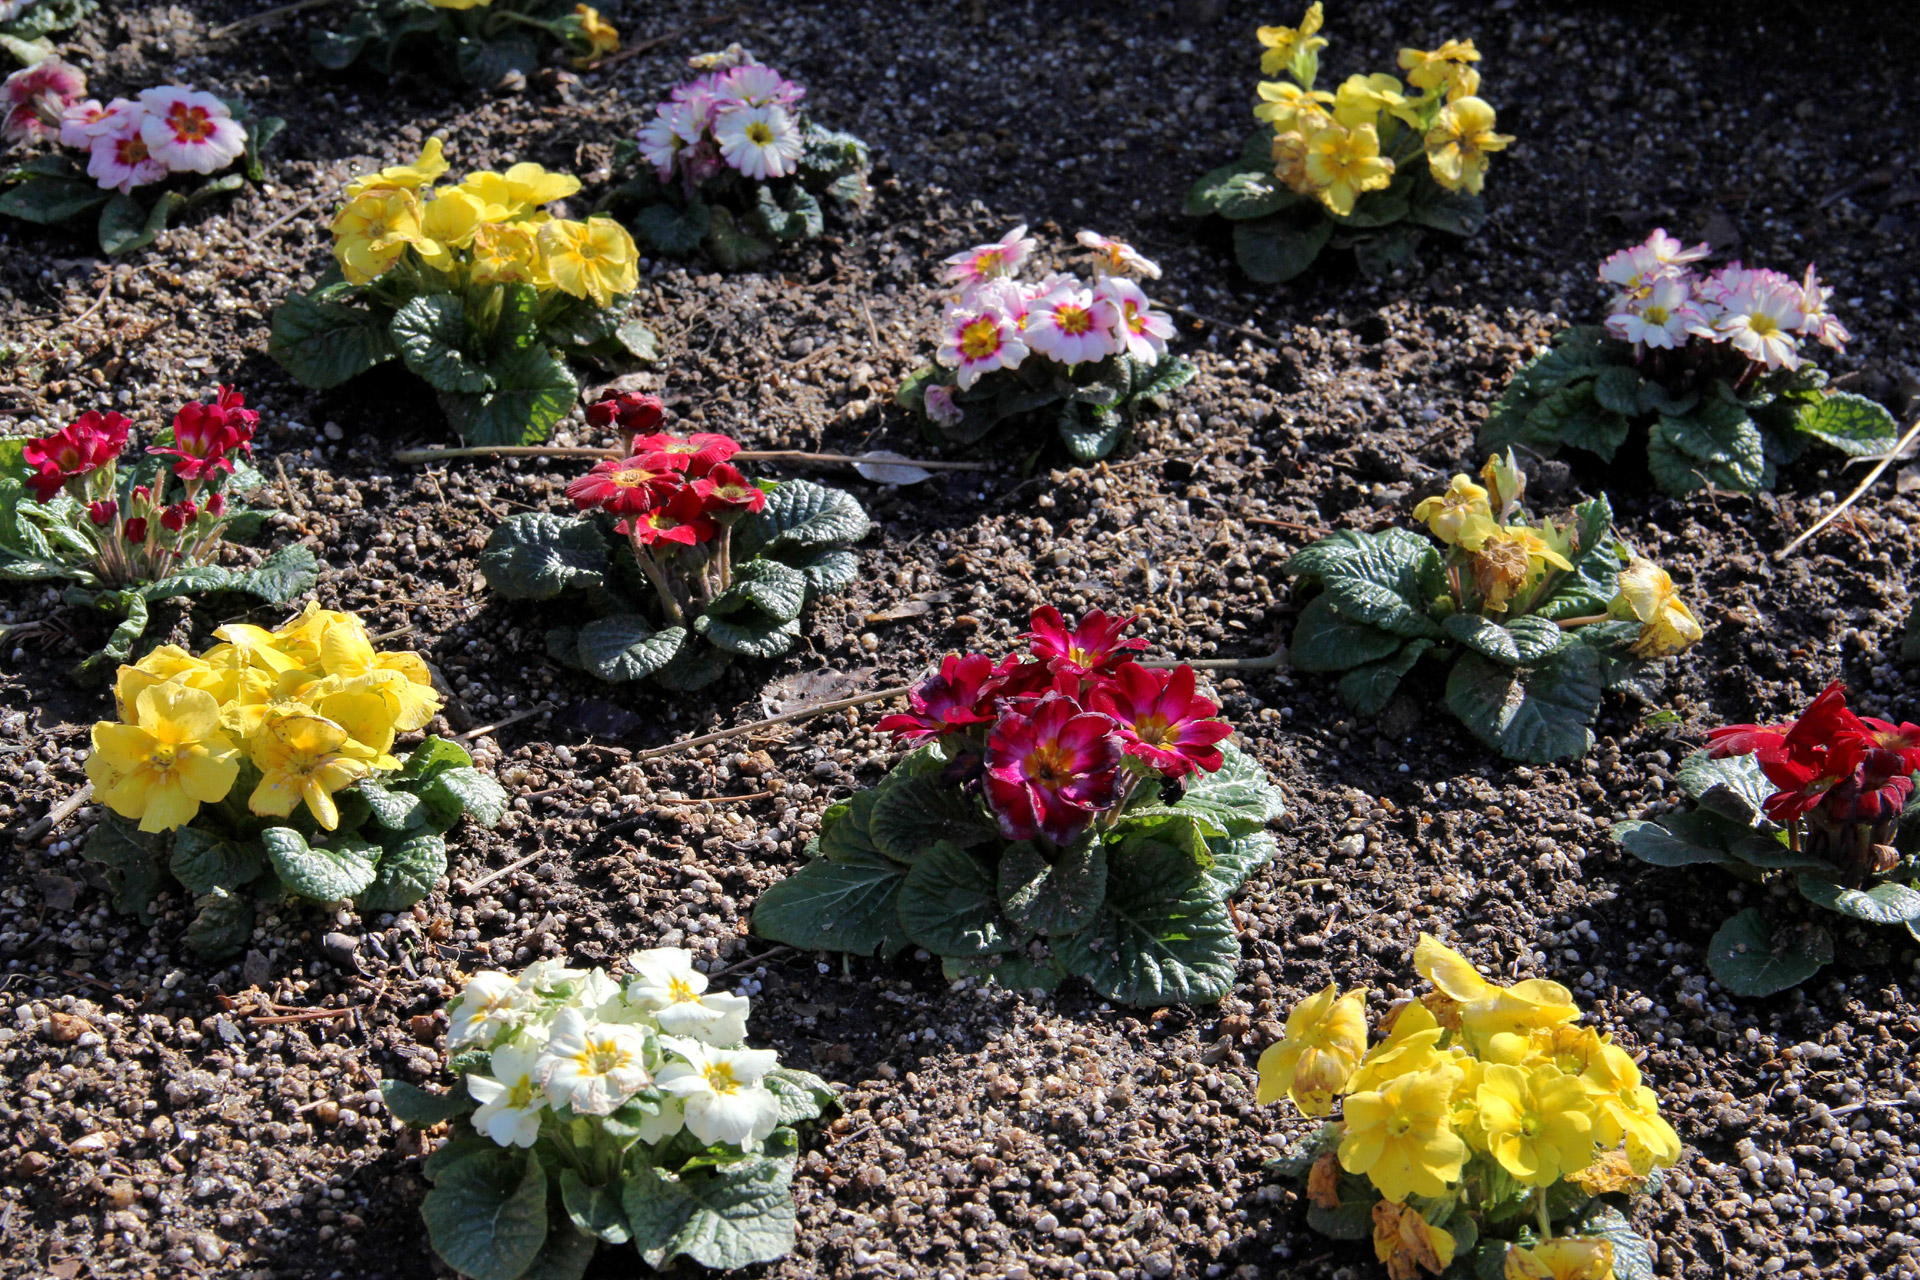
544	977
1658	255
1117	257
992	261
667	985
190	132
758	86
724	1098
674	127
598	995
510	1101
1138	329
1821	324
1664	318
671	1119
1760	320
490	1003
1073	325
978	341
761	142
118	158
592	1066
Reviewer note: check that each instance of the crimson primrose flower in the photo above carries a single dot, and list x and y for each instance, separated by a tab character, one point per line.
629	486
204	434
178	516
1096	645
964	693
730	493
681	519
1051	770
1164	722
80	448
631	411
1804	759
703	452
216	505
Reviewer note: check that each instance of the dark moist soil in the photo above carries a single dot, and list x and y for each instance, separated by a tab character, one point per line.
985	1133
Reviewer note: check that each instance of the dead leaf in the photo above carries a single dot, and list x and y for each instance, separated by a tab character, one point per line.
811	688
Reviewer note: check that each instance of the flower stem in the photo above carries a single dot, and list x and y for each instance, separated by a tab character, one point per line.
1540	1207
669	605
1568	624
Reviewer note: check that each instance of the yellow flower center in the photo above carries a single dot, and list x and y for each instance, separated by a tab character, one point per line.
759	134
631	478
980	338
1657	315
1154	731
991	260
1050	765
162	756
1130	313
1073	321
1764	325
601	1058
682	991
1399	1126
521	1094
720	1078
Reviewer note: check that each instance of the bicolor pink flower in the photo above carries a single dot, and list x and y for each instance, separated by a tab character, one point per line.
1820	324
1163	720
1138	329
761	142
82	122
979	341
1051	769
1096	646
674	127
1658	255
38	98
1073	325
940	406
1760	320
1117	257
119	159
1663	317
758	86
190	132
963	693
993	261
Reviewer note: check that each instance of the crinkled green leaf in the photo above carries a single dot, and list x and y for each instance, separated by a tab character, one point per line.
1274	250
1380	582
912	815
1732	786
487	1215
594	1209
1749	958
533	389
750	635
406	873
430	333
625	646
762	586
204	862
1889	903
800	516
725	1217
1237	857
1850	423
950	906
411	1104
321	874
536	556
1521	641
323	344
673	229
1678	839
132	862
1057	897
1532	714
462	791
1162	935
1238	796
1717	444
1327	640
836	905
283	577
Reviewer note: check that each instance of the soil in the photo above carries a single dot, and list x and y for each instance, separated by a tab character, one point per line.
151	1124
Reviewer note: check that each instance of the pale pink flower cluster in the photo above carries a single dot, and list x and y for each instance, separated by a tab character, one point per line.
996	321
742	117
129	142
1764	315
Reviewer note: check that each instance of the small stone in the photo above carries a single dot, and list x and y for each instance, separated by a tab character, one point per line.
327	1112
65	1028
91	1144
121	1195
341	948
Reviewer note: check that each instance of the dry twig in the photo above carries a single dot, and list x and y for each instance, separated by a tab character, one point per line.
57	815
1886	461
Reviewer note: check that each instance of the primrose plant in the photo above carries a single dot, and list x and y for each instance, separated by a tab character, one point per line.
129	533
1708	371
150	140
688	562
1066	812
600	1109
1087	355
481	42
1537	617
1371	167
1825	799
1484	1134
733	162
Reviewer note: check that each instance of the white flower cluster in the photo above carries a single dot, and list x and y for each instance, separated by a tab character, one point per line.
580	1040
742	116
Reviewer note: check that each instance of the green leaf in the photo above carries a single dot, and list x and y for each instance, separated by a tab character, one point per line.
1245	195
536	556
594	1210
625	646
133	868
914	814
222	923
833	905
1161	937
1732	787
1455	214
461	1144
1574	417
800	516
429	332
487	1216
52	201
844	828
1351	1219
120	641
764	586
1212	191
1618	389
321	874
695	668
1237	857
1055	897
394	810
1379	582
795	215
410	1104
1888	903
1715	444
1153	381
1632	1255
406	873
204	862
731	244
752	635
1016	972
1678	840
282	577
825	571
1327	640
463	790
1596	565
803	1095
1521	642
323	344
1369	687
433	757
1274	250
1237	796
1386	251
1749	959
673	229
1532	714
1090	434
724	1217
1376	208
1850	423
949	905
533	389
488	62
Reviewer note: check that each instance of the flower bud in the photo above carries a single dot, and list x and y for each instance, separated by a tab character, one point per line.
103	513
217	505
178	516
136	530
1505	483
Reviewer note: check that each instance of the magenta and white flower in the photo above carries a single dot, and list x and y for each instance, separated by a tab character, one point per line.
119	159
1761	319
978	341
82	122
758	86
1820	324
1117	257
37	100
190	132
1073	325
760	142
1140	331
940	406
674	127
993	261
1665	317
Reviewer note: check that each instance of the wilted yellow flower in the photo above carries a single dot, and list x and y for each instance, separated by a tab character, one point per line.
1326	1034
1412	1045
1407	1242
600	34
423	172
302	757
1401	1136
171	760
1444	68
1626	1111
373	230
1295	48
1647	593
1538	1122
593	259
1458	144
1290	162
1610	1173
1512	558
1506	482
1344	163
522	188
1567	1258
1361	99
1323	1182
1462	516
1284	104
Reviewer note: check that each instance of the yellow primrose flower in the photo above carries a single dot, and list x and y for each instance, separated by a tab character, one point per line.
1284	104
1361	99
601	35
1411	1046
1401	1138
166	662
1512	558
299	638
1443	68
255	646
368	720
1345	163
1505	481
1326	1034
373	230
1485	1009
171	760
519	190
1567	1258
1627	1111
1570	1048
1458	144
302	756
1539	1122
593	259
1645	592
1462	516
450	220
1287	46
506	253
423	172
1407	1242
400	678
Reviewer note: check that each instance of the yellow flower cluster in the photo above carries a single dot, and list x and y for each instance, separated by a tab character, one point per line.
1338	146
313	707
1475	1072
490	229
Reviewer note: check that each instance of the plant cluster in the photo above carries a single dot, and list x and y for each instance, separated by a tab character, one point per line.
129	536
1370	167
481	42
1710	370
130	142
731	160
626	1112
475	287
1826	798
1485	1134
1087	354
675	546
1539	617
265	768
1064	812
25	25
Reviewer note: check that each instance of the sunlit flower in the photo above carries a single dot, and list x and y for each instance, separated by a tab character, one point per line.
1362	100
675	127
1326	1035
593	1067
703	450
1117	257
761	142
1401	1135
1098	643
1287	46
303	757
731	494
757	85
1072	325
118	157
1565	1258
423	172
171	760
1761	322
602	36
373	230
1285	105
190	132
1050	769
629	486
506	253
1627	1113
1411	1046
1538	1122
637	413
490	1003
1162	719
1510	559
594	259
1344	163
510	1099
1459	143
77	450
992	261
1820	324
1485	1009
1646	592
204	434
722	1091
37	100
1139	331
978	342
681	521
451	220
1662	315
1408	1243
82	122
1462	516
666	984
962	694
522	188
1448	68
